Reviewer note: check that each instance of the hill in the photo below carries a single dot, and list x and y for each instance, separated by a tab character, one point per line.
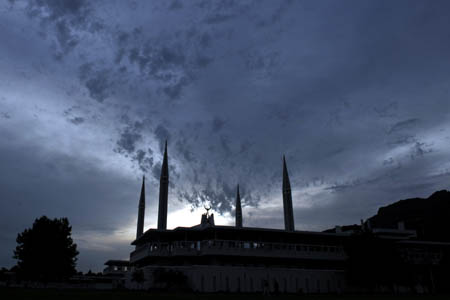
430	217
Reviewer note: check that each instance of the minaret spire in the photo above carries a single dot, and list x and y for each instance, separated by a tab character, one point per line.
141	213
163	192
287	200
238	209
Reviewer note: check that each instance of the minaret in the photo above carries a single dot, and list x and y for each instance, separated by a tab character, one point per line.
287	200
163	192
141	213
238	209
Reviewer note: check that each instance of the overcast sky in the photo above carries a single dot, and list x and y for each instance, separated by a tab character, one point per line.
355	93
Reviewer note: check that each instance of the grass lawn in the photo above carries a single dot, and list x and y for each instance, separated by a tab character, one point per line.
67	294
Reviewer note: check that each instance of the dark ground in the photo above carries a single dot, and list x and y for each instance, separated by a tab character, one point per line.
67	294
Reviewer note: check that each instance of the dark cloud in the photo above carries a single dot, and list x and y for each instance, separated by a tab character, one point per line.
73	115
144	159
176	4
128	139
277	14
355	94
387	111
183	147
258	61
57	9
403	125
5	115
205	40
218	18
420	149
160	59
66	19
225	143
155	171
173	91
388	162
66	40
203	61
98	83
162	135
403	139
77	120
217	124
218	194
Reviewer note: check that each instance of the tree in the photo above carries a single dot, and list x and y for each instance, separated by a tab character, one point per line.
3	275
46	251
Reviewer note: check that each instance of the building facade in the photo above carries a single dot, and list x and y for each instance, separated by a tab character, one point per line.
211	258
238	258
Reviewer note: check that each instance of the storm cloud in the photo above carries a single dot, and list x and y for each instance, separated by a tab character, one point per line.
354	93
